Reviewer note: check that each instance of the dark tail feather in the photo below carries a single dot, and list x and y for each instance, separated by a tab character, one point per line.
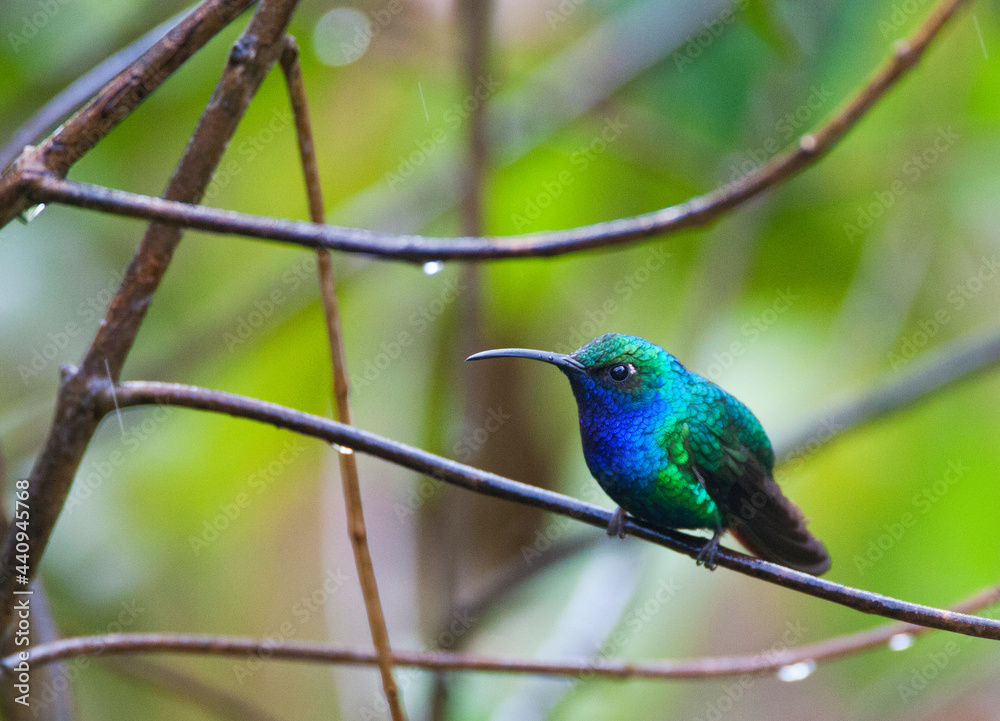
773	528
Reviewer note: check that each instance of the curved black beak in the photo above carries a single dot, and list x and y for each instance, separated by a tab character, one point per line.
565	362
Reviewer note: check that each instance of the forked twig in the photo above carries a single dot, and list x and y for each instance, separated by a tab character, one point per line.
117	100
76	418
83	89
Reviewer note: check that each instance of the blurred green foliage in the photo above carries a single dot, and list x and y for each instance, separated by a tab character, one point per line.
871	245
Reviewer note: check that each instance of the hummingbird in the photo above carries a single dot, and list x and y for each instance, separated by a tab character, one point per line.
676	451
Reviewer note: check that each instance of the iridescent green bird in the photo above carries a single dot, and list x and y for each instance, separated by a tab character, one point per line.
676	451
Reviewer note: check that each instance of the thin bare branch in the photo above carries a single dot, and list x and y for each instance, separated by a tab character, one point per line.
933	373
81	89
340	386
598	667
474	479
958	361
696	211
116	100
76	418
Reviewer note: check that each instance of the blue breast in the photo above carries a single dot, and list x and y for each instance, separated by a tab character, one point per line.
624	449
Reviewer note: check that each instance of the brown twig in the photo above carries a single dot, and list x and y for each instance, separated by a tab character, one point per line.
75	415
81	90
696	211
116	100
474	479
340	385
696	668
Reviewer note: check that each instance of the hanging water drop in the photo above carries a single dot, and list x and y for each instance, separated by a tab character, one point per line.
31	213
433	267
796	671
901	641
343	450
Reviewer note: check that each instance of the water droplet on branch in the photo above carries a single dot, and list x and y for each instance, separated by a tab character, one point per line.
31	213
433	267
796	671
901	641
343	450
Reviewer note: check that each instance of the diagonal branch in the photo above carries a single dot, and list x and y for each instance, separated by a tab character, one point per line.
696	211
340	386
82	89
955	362
117	100
76	418
473	479
598	667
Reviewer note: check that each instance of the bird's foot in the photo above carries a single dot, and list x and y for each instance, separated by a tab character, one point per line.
617	525
706	557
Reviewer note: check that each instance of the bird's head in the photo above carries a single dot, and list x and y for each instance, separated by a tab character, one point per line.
613	372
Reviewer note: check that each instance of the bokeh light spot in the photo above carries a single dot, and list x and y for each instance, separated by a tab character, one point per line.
342	36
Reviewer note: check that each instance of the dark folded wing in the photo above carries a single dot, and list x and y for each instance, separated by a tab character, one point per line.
759	514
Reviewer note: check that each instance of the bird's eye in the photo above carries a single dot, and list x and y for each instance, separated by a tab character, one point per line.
620	372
